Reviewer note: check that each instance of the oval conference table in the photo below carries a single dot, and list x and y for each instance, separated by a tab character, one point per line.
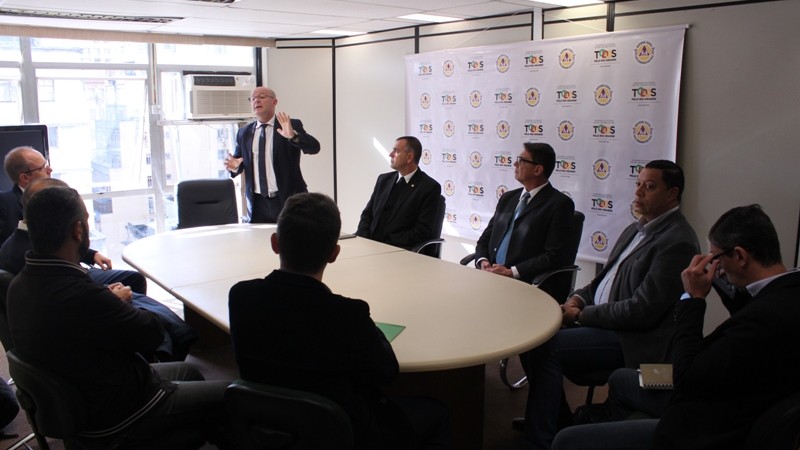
456	318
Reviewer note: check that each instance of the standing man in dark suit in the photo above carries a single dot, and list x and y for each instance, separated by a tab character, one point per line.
532	226
288	329
402	208
268	152
22	165
624	317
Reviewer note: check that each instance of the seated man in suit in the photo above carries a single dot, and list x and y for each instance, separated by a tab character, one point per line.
23	165
178	336
402	208
725	381
289	329
624	317
63	322
531	229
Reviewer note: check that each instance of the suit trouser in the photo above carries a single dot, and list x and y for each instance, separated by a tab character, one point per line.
571	350
264	209
627	434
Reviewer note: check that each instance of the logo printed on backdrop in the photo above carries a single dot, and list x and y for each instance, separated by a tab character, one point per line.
565	130
566	58
599	241
503	160
644	52
500	190
643	91
602	204
448	68
601	169
566	165
425	127
534	59
503	129
603	94
642	131
425	100
475	189
533	128
475	221
426	156
605	54
636	166
503	63
475	128
449	187
475	65
448	98
450	216
532	97
603	130
425	69
475	160
566	94
502	96
449	128
475	98
449	157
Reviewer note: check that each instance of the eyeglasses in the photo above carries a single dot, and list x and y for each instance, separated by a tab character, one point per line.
43	166
520	159
718	255
260	97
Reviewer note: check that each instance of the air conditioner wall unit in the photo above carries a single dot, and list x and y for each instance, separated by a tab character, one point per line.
218	96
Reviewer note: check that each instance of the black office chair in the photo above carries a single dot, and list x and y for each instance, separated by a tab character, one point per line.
206	202
269	417
778	428
433	247
558	283
56	409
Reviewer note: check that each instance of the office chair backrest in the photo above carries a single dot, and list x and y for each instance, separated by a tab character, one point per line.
5	333
271	417
54	407
433	246
206	202
560	284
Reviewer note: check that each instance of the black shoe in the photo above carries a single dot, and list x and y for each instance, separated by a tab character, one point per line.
518	423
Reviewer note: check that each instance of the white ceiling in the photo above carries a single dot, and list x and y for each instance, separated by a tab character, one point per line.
255	18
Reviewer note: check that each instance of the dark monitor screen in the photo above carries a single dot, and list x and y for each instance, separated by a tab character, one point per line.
13	136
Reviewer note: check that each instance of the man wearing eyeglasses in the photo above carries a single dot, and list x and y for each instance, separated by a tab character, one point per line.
531	228
624	317
268	152
22	165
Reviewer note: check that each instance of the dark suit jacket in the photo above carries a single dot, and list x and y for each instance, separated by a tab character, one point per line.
413	218
290	330
10	211
285	158
725	381
642	298
541	236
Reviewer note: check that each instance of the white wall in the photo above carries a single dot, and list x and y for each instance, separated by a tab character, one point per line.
740	104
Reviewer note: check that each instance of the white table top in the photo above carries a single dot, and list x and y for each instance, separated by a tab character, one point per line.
455	316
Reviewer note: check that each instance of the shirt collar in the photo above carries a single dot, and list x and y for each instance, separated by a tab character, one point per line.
407	177
533	191
756	287
644	226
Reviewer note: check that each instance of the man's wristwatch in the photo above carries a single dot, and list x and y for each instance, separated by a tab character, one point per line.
577	321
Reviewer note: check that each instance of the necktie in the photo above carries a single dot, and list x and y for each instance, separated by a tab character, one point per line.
262	164
503	248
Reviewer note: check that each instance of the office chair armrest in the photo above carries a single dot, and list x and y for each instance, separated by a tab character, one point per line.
422	245
467	259
542	277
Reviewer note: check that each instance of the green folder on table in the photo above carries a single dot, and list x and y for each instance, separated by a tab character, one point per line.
390	330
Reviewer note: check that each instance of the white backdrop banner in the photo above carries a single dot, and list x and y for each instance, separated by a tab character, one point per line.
607	103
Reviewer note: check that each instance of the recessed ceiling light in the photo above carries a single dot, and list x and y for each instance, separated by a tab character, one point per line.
339	32
428	18
570	2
